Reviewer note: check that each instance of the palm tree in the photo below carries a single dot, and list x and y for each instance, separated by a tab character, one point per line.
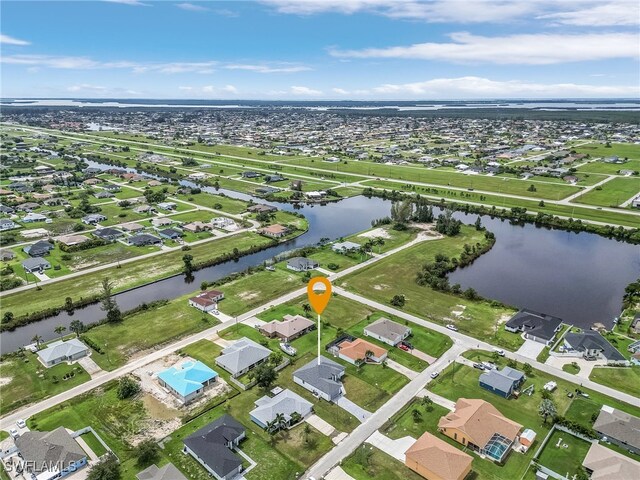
76	327
547	409
416	415
37	339
307	432
428	403
379	241
280	421
359	363
307	308
368	355
60	330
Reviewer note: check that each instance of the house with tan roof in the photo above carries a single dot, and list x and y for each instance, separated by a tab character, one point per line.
479	426
274	231
353	350
435	459
602	463
290	328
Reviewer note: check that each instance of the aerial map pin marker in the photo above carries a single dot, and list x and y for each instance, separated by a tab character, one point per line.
319	300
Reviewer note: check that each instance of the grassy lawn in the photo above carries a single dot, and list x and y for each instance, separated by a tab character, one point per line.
404	424
30	381
394	240
571	368
612	193
145	330
135	274
567	458
368	462
583	410
218	202
396	275
625	379
94	444
251	291
325	257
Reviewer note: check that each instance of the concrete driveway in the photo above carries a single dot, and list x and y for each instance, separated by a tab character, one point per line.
531	349
90	366
357	411
395	448
407	372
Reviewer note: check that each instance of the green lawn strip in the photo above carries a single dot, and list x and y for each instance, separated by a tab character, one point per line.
30	381
218	202
395	275
405	424
570	211
326	257
612	193
94	444
628	150
371	386
146	329
567	458
600	167
625	379
368	463
571	368
135	274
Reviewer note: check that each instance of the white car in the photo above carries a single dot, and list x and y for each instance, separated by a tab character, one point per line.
14	433
499	351
452	327
434	374
21	423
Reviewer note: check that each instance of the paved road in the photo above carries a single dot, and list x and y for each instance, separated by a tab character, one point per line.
380	416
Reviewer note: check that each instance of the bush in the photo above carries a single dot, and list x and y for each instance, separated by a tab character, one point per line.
127	388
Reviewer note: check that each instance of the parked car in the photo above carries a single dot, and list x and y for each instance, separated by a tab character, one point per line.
14	433
452	327
434	374
402	346
21	423
479	366
499	351
489	365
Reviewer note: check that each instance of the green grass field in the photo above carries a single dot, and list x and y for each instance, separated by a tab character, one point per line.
612	193
565	459
625	379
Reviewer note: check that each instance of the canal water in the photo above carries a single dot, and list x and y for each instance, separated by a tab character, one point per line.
579	277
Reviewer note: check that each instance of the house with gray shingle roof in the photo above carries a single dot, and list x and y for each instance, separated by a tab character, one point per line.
285	403
387	331
55	452
502	382
618	427
168	472
242	356
322	379
32	265
590	344
61	351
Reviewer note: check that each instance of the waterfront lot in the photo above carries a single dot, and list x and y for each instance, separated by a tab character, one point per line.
612	193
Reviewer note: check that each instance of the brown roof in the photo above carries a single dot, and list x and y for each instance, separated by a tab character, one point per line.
437	456
289	326
609	465
479	420
274	229
358	349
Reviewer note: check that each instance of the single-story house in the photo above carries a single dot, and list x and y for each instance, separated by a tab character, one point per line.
107	233
213	447
104	194
538	327
131	227
6	255
34	217
479	426
590	344
301	264
197	226
286	403
168	472
250	174
71	240
502	382
37	264
242	356
161	221
38	249
261	208
274	231
602	463
619	428
50	455
273	178
321	378
188	380
143	240
290	328
221	222
387	331
358	349
206	301
167	205
170	233
62	351
345	247
7	224
435	459
93	218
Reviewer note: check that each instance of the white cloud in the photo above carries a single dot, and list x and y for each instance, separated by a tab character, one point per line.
229	89
191	7
133	3
478	87
340	91
86	87
185	88
213	90
622	13
298	90
577	12
7	40
529	49
268	69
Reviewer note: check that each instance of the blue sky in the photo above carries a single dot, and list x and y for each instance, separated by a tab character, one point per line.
321	49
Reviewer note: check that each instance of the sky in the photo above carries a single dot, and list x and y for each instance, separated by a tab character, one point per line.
320	49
